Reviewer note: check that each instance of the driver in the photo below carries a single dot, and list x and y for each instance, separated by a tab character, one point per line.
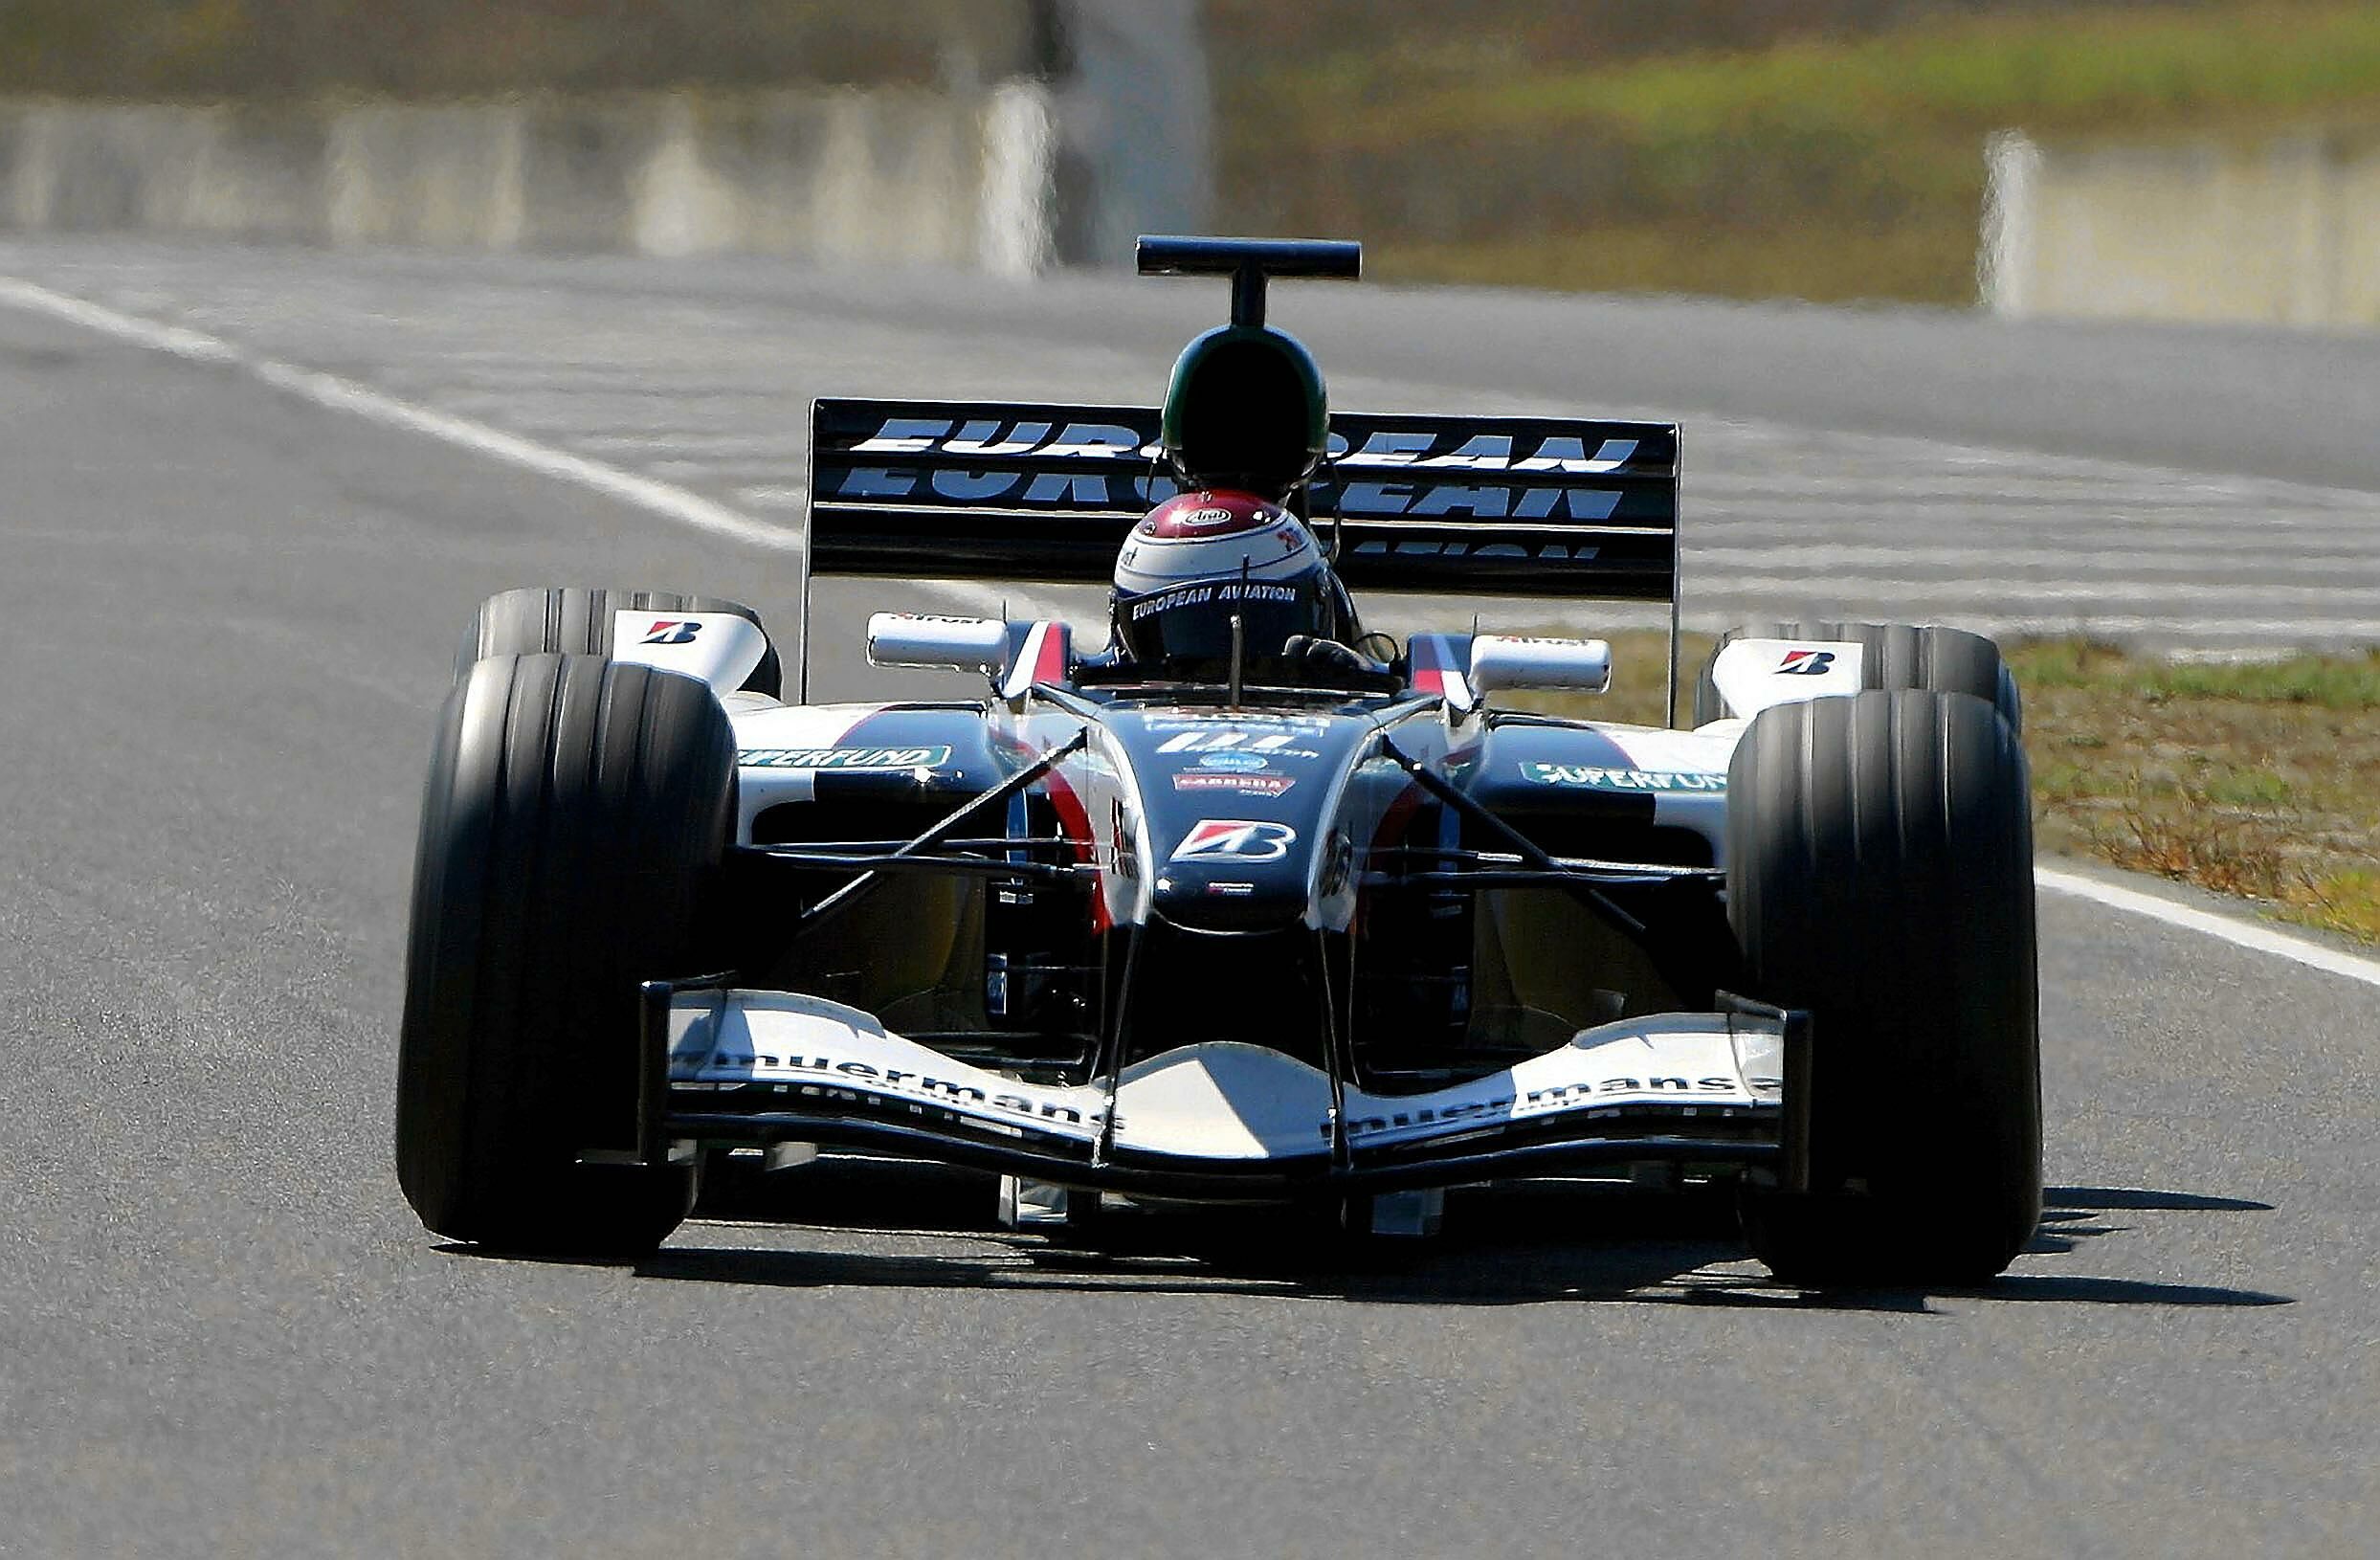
1245	424
1199	561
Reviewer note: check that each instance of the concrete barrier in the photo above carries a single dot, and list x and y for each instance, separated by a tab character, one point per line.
449	177
1136	125
2282	230
887	177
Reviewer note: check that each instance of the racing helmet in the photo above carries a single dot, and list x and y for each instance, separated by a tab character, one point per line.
1246	411
1196	561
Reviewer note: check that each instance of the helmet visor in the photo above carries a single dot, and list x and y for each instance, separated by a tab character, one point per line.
1185	629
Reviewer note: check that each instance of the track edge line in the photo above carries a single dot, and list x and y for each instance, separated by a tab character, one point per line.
2226	928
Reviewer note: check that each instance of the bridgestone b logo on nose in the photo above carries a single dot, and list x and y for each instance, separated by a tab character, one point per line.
671	631
1239	839
1806	664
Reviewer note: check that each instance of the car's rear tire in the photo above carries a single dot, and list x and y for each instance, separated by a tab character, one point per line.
1896	655
1879	874
572	620
575	814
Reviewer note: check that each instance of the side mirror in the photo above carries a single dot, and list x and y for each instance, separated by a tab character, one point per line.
946	644
1501	660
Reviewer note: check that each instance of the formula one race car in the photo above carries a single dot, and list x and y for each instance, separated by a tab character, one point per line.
1246	906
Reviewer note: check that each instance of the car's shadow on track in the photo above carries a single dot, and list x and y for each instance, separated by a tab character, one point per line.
1500	1249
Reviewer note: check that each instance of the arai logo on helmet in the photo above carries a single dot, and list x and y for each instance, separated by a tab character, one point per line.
1241	839
1201	519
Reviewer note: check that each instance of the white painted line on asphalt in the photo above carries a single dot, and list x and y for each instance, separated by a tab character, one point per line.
2243	933
628	411
329	391
652	440
774	497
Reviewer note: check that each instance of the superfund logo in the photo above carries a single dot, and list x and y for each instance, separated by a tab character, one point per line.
842	758
1597	778
1235	840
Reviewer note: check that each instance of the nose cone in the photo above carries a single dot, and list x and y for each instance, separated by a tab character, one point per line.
1236	804
1233	875
1229	904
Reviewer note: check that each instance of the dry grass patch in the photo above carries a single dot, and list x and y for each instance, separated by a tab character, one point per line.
2259	779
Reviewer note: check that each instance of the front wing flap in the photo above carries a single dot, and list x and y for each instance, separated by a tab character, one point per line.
1220	1118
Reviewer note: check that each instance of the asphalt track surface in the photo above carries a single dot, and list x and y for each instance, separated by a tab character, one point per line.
226	616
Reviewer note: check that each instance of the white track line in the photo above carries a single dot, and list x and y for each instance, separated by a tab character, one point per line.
331	392
2242	934
703	514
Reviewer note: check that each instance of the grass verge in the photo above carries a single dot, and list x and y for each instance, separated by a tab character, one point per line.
1822	168
2256	779
2260	779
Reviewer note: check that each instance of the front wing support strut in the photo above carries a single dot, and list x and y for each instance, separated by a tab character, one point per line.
966	810
1585	893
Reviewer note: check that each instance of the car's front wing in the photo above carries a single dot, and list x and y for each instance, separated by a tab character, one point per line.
1224	1119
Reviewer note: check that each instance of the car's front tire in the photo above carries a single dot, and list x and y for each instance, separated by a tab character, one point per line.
573	620
574	816
1879	874
1894	656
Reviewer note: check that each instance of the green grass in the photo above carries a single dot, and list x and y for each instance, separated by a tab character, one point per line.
1822	168
1922	262
2325	681
2256	779
283	49
2054	70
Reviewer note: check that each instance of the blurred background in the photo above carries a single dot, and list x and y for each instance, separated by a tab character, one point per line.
2192	159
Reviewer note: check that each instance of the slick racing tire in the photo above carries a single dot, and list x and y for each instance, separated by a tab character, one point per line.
574	818
1879	875
1897	656
571	620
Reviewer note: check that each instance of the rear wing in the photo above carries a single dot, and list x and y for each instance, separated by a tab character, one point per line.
1537	506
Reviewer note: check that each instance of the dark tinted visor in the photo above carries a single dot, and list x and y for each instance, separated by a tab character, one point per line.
1189	627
